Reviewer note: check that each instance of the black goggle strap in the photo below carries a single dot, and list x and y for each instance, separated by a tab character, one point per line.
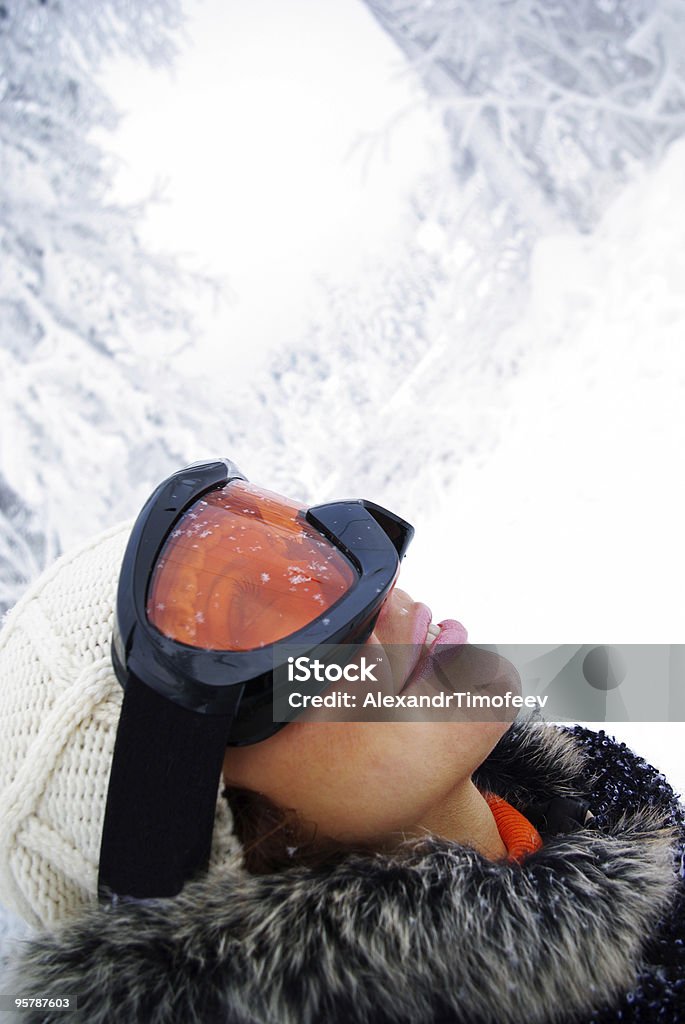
161	802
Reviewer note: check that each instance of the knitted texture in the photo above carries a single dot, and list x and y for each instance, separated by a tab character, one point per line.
519	836
59	710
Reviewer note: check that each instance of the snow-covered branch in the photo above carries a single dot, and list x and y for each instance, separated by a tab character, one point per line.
600	84
88	314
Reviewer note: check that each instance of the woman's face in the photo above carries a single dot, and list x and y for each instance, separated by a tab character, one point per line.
367	780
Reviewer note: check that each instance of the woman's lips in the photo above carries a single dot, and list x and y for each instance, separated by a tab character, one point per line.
451	633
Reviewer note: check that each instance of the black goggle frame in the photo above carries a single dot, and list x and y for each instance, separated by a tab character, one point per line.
183	705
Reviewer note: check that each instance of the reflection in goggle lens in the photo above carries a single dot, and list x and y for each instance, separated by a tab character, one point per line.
242	569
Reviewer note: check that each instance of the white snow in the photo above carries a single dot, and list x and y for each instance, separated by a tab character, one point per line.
570	530
274	183
571	527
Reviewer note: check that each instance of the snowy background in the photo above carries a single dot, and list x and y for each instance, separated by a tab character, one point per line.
428	253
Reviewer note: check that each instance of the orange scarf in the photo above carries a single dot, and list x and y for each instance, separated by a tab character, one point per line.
517	833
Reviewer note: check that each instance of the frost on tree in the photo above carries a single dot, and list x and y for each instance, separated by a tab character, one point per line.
404	374
87	317
549	108
564	95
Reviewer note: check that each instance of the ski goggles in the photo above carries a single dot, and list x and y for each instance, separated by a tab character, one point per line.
217	575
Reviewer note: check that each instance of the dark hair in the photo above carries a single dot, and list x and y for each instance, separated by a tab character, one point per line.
274	839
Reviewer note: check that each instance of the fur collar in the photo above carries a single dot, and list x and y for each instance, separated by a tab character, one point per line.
432	933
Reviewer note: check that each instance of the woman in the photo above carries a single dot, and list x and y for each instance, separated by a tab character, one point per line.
437	871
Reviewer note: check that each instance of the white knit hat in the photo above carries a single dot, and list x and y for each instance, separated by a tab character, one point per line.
59	710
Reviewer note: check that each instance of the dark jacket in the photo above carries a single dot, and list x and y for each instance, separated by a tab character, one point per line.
589	928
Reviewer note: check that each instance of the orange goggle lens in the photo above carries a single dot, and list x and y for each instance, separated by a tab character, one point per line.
243	569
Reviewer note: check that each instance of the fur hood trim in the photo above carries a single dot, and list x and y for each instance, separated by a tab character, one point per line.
433	932
534	762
